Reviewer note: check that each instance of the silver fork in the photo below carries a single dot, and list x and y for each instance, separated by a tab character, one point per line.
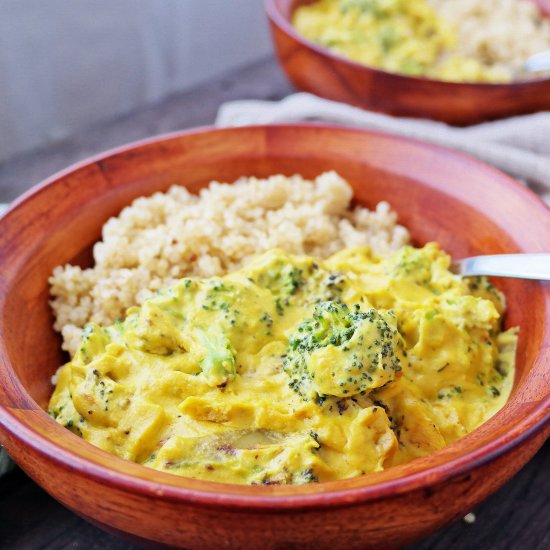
517	266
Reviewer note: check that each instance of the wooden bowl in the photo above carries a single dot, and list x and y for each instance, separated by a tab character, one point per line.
440	195
316	69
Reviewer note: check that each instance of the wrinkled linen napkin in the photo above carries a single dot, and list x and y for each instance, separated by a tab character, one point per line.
519	145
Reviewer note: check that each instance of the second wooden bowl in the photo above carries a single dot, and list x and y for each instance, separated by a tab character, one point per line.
315	69
467	207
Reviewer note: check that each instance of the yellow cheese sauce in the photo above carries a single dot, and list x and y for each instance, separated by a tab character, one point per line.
294	370
401	36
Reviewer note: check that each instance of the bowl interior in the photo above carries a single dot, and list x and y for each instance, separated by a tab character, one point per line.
465	206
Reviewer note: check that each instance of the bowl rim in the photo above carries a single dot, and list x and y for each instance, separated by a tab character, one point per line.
527	428
278	19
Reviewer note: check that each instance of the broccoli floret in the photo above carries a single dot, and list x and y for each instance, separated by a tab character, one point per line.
218	362
282	279
413	264
283	275
342	352
374	7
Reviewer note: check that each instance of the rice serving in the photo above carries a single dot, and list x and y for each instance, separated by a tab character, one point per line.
159	239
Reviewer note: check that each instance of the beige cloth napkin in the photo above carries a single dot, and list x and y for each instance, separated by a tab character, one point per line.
519	146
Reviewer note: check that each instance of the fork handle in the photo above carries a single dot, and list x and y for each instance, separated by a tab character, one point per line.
519	266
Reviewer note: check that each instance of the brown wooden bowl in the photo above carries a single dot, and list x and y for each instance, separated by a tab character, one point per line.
316	69
440	195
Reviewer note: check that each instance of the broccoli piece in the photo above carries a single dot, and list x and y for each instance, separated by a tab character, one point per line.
480	287
94	341
283	275
372	7
282	279
218	359
413	264
341	352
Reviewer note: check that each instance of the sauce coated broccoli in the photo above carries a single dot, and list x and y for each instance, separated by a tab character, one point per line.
342	352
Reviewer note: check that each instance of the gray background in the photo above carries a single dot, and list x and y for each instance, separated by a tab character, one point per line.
68	64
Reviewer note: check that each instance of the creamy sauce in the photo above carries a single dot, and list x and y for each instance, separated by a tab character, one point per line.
293	370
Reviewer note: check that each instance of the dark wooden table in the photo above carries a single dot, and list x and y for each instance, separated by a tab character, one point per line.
517	516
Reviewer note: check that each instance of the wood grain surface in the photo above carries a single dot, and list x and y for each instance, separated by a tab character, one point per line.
50	526
316	69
